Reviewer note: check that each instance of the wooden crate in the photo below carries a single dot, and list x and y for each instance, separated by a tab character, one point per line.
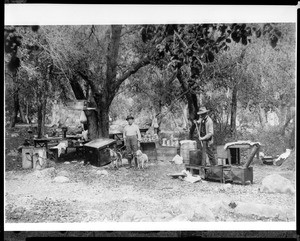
241	174
96	152
149	148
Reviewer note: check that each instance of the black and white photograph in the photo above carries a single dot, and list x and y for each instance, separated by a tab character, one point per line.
146	121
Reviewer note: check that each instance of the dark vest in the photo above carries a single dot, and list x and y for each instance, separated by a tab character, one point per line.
203	128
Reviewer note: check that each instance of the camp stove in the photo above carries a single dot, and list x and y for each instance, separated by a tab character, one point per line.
240	174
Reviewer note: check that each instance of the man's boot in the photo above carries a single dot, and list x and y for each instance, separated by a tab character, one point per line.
129	161
135	163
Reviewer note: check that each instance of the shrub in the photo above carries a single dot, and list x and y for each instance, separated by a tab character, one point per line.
273	143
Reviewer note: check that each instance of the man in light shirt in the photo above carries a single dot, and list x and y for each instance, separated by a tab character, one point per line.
206	129
132	136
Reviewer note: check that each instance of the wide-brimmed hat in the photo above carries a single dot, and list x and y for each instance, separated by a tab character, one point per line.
202	110
130	117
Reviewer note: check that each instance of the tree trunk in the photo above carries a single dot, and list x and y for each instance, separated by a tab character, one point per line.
76	87
158	115
184	108
262	116
44	106
292	137
103	118
40	119
22	115
192	103
16	105
27	113
233	111
42	114
92	123
55	113
289	116
98	123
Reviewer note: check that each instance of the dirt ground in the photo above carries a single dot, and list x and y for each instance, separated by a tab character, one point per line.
132	195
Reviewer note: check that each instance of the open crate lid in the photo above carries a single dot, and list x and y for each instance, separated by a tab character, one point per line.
100	143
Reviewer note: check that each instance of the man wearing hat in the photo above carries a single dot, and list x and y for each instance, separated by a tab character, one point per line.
132	136
206	134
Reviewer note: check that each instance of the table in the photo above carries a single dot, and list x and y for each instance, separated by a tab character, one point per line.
74	137
43	142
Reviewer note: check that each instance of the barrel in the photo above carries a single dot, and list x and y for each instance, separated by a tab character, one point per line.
196	157
185	147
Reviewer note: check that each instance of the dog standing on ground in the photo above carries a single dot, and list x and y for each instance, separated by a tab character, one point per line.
142	159
116	158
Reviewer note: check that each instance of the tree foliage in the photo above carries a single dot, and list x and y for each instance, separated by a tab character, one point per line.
158	65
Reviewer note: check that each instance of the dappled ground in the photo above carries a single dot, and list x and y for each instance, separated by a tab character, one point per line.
91	195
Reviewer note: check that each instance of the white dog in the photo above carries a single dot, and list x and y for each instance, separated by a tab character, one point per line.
116	158
142	158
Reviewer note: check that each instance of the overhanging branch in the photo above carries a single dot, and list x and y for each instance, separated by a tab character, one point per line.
88	81
143	62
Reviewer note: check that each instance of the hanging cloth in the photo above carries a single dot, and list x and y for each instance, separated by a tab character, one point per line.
83	118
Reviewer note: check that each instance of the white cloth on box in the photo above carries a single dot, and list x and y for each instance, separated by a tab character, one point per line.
61	146
250	143
83	118
85	135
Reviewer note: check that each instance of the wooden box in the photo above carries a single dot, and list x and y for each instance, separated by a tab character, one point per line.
219	173
149	148
241	174
96	152
33	156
